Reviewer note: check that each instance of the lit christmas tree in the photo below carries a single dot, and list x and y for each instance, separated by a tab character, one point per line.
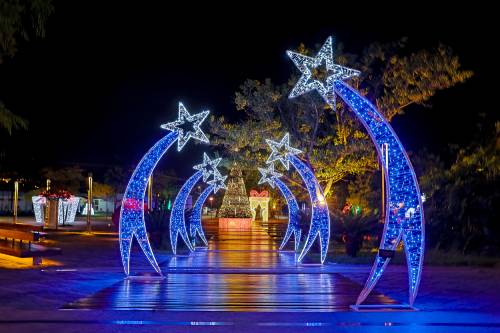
235	203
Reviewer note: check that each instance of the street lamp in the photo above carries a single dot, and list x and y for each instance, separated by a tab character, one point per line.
89	202
211	203
16	199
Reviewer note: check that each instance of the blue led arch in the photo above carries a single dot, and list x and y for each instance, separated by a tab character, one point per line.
195	226
177	219
293	215
405	218
268	175
320	217
131	222
132	210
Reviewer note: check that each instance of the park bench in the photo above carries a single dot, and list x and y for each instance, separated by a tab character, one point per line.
18	240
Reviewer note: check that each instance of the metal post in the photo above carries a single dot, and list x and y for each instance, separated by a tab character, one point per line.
89	203
384	164
16	199
211	206
150	193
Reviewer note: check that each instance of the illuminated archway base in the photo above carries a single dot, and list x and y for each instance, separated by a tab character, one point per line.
320	217
293	227
404	218
195	226
177	220
132	212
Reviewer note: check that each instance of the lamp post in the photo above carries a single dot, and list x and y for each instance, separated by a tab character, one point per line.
47	206
150	193
89	203
384	164
211	199
16	199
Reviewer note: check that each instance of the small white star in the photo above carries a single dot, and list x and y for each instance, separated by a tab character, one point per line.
188	126
268	175
218	182
209	167
281	151
308	65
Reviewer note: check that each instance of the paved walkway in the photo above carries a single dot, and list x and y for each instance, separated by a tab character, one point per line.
241	270
239	284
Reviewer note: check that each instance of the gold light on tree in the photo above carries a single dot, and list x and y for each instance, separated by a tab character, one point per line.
235	203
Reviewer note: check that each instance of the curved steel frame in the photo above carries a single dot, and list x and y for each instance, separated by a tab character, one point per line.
195	226
293	227
320	217
132	211
177	219
404	218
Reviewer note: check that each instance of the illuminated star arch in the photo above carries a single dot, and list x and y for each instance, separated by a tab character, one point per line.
405	218
320	218
177	220
272	178
195	226
132	210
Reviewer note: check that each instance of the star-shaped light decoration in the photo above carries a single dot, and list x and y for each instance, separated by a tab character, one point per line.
218	182
281	151
209	167
188	126
268	175
319	73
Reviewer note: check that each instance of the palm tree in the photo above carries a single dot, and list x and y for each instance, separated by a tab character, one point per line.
10	121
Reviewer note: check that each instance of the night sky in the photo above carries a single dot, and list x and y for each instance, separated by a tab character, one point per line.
96	89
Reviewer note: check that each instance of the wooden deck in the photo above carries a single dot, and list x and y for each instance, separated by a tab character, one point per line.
240	271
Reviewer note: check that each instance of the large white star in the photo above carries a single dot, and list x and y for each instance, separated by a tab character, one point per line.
209	167
308	66
268	175
218	182
187	126
281	151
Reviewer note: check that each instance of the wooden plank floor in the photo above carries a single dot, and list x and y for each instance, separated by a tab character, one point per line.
240	271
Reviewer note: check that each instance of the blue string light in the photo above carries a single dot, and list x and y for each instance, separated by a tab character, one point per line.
217	183
404	218
293	215
195	226
272	178
320	219
132	209
177	220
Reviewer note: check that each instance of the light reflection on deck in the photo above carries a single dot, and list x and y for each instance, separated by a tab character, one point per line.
240	271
